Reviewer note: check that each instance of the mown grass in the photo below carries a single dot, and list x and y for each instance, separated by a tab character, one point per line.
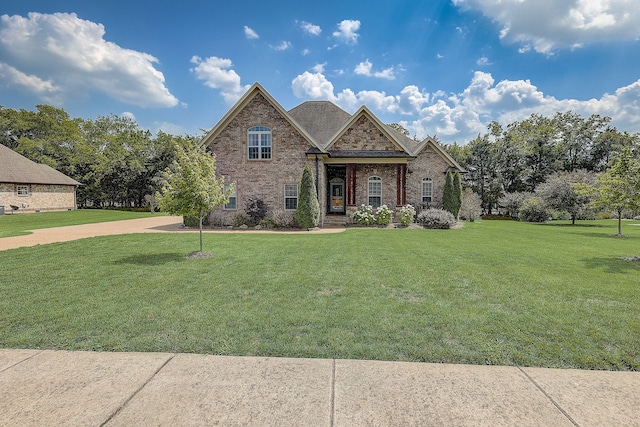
492	292
20	224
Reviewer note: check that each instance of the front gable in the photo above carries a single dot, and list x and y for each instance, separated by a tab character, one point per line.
365	133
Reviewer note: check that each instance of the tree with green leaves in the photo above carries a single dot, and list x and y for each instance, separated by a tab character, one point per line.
191	188
308	210
452	193
618	188
559	193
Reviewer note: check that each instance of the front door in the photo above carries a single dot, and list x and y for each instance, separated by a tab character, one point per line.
336	190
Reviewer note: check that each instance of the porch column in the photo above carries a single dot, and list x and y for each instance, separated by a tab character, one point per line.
401	185
351	184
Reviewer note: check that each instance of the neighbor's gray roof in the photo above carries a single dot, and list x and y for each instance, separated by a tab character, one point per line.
17	169
321	119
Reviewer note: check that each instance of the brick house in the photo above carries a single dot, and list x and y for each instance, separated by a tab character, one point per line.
356	159
33	187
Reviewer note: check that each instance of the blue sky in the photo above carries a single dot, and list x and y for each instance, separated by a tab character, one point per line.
444	68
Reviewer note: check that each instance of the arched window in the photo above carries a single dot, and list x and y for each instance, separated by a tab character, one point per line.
259	143
375	191
427	190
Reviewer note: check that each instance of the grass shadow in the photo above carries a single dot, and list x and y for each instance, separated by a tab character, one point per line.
151	259
612	265
577	225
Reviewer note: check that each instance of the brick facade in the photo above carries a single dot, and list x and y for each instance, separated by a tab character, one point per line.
401	170
40	197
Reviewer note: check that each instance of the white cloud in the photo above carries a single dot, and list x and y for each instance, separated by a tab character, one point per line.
67	55
319	68
462	116
365	69
216	74
483	61
546	25
284	45
347	31
250	34
311	29
129	115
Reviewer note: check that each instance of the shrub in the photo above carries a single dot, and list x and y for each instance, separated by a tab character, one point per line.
256	210
534	209
364	215
308	211
471	208
436	218
240	219
406	215
384	215
266	222
282	218
191	221
510	203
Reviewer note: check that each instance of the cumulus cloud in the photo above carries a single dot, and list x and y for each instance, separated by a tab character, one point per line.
61	53
250	34
462	116
284	45
347	31
546	25
217	74
310	29
365	69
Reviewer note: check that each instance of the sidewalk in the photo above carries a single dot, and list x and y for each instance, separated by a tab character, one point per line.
49	388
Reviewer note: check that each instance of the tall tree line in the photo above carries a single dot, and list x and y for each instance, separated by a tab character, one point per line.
520	157
117	162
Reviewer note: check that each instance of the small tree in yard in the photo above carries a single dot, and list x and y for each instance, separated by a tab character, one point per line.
618	188
559	193
191	187
308	210
452	193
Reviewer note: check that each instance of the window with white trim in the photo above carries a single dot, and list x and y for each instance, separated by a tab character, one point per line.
375	191
259	143
22	190
290	197
233	199
427	190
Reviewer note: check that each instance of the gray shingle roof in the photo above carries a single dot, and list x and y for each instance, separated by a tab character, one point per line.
17	169
321	119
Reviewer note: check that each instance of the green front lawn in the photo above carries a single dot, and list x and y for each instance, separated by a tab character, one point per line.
493	292
19	224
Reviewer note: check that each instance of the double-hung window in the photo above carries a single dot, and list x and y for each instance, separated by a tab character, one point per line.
233	199
22	190
427	190
375	191
259	143
291	197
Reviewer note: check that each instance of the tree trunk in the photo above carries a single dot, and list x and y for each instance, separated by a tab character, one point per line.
619	222
200	233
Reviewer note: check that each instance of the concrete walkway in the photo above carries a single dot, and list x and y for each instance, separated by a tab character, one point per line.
50	388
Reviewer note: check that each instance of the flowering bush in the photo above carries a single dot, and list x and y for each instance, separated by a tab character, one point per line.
436	218
406	215
364	215
383	215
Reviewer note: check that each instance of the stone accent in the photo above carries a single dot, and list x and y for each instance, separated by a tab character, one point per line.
428	164
40	198
363	135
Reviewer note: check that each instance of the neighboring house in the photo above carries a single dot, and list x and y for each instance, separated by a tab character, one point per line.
33	187
356	159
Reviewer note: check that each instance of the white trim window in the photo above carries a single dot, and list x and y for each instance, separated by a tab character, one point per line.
259	143
374	187
233	199
290	197
22	190
427	190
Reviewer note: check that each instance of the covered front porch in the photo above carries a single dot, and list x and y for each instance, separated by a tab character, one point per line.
351	184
